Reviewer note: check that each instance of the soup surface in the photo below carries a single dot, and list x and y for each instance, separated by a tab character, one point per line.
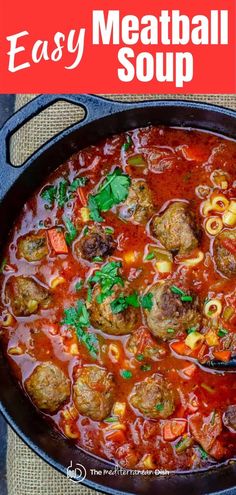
117	285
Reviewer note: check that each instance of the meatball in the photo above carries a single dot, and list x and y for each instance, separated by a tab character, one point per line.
153	397
229	418
169	314
27	296
96	243
48	387
33	247
94	392
138	206
102	317
176	228
225	253
141	343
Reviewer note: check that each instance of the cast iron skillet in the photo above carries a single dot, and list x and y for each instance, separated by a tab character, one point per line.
102	118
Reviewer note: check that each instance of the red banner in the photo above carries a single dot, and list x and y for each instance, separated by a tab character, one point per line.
163	46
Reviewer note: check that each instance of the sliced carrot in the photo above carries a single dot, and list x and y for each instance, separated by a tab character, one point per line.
57	240
173	429
116	436
181	348
223	355
82	197
190	370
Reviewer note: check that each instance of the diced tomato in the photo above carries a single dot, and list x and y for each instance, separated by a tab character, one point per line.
190	370
57	240
229	244
81	195
173	429
222	356
116	436
181	348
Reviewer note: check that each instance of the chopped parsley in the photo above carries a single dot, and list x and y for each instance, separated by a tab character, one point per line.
213	417
97	259
112	191
127	144
62	192
107	277
94	209
145	367
140	357
147	301
150	256
71	230
109	230
126	374
2	265
183	295
112	419
191	330
222	332
49	195
78	285
78	318
160	407
62	197
203	453
79	182
123	302
170	330
89	294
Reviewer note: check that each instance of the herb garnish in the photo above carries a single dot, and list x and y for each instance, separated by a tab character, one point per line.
112	191
111	419
78	285
150	256
213	417
78	318
160	407
183	295
222	332
203	453
145	367
147	301
123	302
140	357
62	192
2	265
127	144
107	277
71	230
126	374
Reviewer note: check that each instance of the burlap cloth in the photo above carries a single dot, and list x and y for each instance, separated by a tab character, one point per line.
26	473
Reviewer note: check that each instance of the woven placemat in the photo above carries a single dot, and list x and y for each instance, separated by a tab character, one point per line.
26	473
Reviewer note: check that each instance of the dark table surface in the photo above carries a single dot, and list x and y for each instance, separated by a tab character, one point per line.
6	109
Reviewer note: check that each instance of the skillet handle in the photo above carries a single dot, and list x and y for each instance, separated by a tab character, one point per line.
94	107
